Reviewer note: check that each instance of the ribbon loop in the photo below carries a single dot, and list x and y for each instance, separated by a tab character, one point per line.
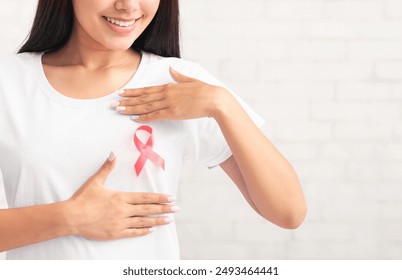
146	151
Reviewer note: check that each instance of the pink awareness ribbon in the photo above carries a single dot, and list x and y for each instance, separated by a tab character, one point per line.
146	151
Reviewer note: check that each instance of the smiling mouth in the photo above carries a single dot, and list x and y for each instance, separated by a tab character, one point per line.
120	22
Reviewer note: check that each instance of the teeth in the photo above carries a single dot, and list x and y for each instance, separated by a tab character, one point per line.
120	23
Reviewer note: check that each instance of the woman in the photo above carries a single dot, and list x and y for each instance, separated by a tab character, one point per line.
104	75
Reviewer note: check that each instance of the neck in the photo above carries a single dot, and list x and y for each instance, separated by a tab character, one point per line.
90	55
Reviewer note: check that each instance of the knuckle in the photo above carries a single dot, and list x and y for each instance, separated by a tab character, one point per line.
141	232
162	198
145	197
141	222
111	235
149	106
147	209
175	111
117	198
161	221
143	98
167	209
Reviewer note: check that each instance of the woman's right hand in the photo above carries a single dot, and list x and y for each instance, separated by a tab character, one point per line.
103	214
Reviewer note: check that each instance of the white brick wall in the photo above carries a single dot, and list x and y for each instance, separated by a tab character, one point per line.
326	76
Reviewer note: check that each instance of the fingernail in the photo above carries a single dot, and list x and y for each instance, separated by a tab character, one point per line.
175	208
120	108
171	198
151	229
114	104
112	156
134	117
169	220
120	91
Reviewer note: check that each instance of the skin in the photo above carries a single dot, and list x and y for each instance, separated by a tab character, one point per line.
94	52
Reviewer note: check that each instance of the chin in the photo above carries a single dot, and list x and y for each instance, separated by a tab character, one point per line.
119	47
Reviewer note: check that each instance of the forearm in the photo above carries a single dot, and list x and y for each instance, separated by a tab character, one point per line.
269	179
28	225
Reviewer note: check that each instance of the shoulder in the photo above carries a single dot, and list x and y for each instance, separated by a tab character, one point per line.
160	61
157	63
16	64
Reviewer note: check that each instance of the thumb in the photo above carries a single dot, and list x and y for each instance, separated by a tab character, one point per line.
180	78
106	168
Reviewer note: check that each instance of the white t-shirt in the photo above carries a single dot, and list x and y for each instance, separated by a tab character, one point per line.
51	144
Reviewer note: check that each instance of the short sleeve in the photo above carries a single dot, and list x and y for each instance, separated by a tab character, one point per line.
205	142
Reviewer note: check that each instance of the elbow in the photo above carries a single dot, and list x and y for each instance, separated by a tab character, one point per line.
295	218
291	217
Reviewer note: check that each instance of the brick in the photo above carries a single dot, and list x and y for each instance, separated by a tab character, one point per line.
340	111
300	131
391	231
262	232
353	10
319	194
231	251
369	50
335	151
358	211
381	29
281	10
197	10
383	192
325	231
391	171
392	211
194	231
355	111
396	89
393	9
364	131
270	50
276	30
284	111
391	151
321	171
364	91
317	50
231	69
296	91
290	71
389	70
392	250
298	151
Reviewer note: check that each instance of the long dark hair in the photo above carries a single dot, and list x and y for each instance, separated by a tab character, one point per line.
54	20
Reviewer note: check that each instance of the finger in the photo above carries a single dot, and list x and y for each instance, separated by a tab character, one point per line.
180	78
152	209
136	232
141	99
146	198
142	108
107	167
132	92
159	115
147	222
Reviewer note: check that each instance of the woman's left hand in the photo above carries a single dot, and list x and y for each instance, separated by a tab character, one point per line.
189	98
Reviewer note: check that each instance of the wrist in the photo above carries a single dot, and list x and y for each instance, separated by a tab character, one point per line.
222	105
67	218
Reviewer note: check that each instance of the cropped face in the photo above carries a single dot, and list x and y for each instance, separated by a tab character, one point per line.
112	24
